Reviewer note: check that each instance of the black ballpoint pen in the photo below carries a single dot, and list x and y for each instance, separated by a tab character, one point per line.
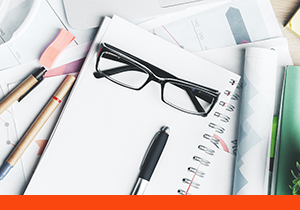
150	160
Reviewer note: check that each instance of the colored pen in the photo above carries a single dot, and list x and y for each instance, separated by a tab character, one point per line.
36	126
24	87
63	39
150	160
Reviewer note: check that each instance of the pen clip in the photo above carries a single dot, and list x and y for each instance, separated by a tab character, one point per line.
39	76
28	91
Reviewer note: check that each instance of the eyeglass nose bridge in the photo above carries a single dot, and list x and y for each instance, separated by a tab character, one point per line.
157	79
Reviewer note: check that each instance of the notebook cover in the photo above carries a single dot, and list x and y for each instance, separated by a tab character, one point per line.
289	133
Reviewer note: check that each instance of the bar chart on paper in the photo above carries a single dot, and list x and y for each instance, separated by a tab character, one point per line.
237	26
201	31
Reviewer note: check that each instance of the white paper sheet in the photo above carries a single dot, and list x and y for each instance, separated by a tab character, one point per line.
111	126
225	25
233	58
254	139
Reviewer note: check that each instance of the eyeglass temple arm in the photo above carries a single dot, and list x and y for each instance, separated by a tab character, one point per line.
195	101
161	73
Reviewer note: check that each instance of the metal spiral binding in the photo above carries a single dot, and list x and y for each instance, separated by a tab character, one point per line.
228	106
191	183
233	82
238	84
234	147
223	117
212	139
201	160
234	96
206	150
182	192
196	171
218	128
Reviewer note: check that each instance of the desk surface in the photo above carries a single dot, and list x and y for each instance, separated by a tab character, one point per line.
284	10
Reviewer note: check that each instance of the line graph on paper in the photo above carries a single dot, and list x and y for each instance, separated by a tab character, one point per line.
7	125
228	25
8	140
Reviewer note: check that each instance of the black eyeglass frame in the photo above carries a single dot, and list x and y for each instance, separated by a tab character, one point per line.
155	74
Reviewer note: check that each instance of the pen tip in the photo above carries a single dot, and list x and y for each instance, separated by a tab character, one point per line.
5	168
166	129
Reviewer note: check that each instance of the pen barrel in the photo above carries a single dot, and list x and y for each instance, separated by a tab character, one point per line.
17	93
139	187
153	156
40	120
32	132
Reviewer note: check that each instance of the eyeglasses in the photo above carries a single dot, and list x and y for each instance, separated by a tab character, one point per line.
131	72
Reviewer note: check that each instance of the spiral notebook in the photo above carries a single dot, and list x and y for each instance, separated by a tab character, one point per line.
105	129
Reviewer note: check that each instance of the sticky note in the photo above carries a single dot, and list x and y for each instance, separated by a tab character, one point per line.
294	24
63	39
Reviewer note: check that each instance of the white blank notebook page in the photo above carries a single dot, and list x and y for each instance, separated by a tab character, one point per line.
103	134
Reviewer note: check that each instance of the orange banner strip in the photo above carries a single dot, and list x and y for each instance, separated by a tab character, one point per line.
81	202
